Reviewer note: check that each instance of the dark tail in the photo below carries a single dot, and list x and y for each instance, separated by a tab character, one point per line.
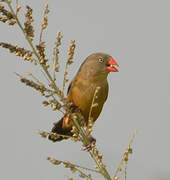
59	130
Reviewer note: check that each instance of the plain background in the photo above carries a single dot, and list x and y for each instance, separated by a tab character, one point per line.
136	34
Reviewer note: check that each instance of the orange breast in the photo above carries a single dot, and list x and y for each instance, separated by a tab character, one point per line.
81	94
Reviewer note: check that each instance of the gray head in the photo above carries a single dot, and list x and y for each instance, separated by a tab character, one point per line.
98	65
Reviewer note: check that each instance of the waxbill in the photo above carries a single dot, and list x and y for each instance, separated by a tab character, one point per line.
92	74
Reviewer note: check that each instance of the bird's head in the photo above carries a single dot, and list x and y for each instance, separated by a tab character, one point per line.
99	64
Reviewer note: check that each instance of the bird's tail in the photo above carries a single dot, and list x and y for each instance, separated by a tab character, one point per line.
59	130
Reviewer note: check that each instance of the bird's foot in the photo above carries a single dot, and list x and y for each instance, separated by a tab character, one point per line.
89	146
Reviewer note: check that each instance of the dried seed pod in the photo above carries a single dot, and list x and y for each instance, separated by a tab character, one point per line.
115	178
54	161
6	13
54	136
43	134
71	52
38	87
56	51
45	103
69	62
3	19
29	30
18	7
18	51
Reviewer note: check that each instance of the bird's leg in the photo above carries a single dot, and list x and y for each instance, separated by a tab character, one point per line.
92	143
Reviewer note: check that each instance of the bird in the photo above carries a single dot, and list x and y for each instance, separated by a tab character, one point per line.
92	74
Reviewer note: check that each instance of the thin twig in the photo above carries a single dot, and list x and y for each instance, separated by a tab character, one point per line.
126	163
44	22
90	118
125	155
35	78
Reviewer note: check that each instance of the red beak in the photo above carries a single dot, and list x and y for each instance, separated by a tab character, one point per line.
111	65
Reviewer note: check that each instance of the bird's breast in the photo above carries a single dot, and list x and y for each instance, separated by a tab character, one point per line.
82	94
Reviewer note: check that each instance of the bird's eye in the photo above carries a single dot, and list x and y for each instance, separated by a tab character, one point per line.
101	60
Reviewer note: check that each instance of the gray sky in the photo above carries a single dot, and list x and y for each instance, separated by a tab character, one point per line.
136	34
